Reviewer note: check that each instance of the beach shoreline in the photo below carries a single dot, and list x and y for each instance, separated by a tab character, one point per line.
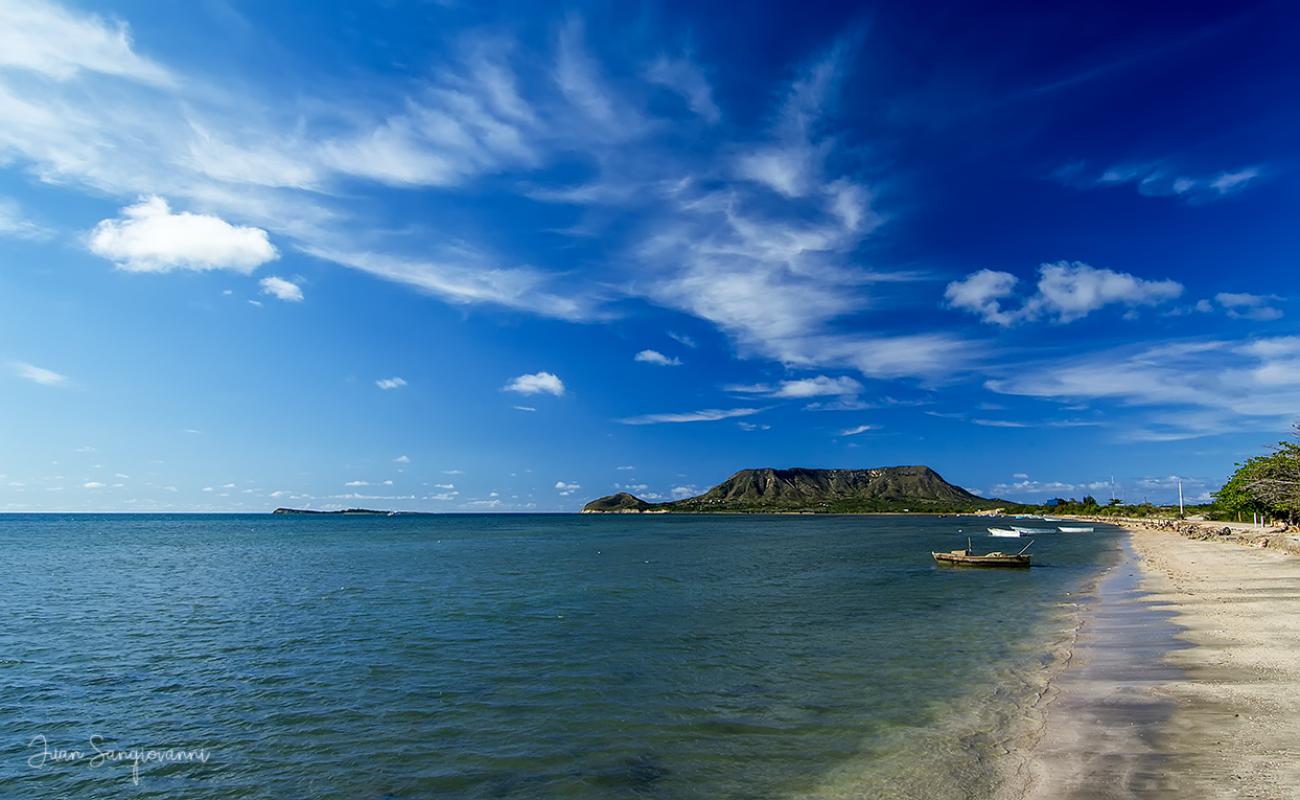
1183	680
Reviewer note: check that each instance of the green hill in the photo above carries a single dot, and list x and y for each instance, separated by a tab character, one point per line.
840	491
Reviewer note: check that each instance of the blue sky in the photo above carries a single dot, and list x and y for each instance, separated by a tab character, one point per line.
476	257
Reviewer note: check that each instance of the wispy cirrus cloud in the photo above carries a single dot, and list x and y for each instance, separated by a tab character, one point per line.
705	415
1192	388
13	223
1162	179
40	375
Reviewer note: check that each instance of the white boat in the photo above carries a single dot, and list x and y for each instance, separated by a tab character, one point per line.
1018	529
1053	519
1004	533
1064	529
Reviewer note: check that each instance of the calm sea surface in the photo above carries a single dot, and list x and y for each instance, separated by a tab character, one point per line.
517	656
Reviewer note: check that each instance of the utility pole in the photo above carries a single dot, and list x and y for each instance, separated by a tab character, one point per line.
1180	500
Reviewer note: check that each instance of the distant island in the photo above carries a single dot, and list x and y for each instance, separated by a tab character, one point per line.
352	511
814	491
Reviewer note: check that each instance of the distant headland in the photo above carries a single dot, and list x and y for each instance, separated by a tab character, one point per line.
360	512
811	491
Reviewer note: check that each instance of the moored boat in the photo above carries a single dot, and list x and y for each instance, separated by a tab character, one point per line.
1065	529
967	558
1004	532
1019	529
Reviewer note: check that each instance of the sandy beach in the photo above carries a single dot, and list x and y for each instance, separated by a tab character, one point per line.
1184	680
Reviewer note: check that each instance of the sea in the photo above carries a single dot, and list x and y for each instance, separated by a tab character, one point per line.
523	656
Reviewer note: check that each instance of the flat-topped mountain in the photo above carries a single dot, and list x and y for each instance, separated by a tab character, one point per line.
813	490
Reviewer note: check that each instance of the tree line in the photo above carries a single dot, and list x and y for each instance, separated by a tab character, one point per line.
1268	485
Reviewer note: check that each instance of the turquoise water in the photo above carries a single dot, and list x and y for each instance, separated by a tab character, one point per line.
518	656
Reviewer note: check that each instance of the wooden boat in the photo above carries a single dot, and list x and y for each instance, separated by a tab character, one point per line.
1064	529
1006	533
968	558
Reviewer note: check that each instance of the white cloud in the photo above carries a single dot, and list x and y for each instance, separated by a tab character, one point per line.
523	408
14	224
706	415
682	339
150	238
819	386
536	383
1067	291
357	483
35	374
92	485
854	431
46	39
982	293
999	423
403	459
1194	388
751	426
657	358
565	488
281	289
388	384
467	276
683	77
1240	305
1156	179
626	467
681	492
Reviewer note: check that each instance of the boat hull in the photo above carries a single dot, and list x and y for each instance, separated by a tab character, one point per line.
998	560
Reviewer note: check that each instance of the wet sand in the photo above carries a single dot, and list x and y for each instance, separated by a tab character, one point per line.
1184	681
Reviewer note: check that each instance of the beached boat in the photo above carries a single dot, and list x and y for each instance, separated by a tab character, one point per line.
1004	532
1019	529
968	558
1064	529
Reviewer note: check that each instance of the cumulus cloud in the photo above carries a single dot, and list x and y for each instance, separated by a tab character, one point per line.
35	374
982	293
657	358
682	492
148	237
388	384
281	289
1067	291
565	488
536	383
706	415
403	459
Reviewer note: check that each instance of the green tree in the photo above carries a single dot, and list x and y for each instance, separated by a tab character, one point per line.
1268	485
